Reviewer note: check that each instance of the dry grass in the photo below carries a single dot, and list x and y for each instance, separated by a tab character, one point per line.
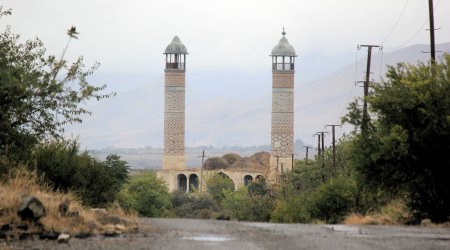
394	213
21	183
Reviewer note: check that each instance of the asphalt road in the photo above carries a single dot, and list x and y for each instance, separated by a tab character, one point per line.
211	234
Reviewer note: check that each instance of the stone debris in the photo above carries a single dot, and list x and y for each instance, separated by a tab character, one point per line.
63	238
31	208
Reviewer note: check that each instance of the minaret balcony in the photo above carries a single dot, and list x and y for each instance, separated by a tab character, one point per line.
283	66
176	65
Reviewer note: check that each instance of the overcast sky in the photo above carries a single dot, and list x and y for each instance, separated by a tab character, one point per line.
230	39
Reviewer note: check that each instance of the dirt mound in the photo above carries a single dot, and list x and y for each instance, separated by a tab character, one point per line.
257	162
262	157
247	163
214	163
231	158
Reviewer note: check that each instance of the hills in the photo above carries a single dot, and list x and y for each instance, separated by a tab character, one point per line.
230	107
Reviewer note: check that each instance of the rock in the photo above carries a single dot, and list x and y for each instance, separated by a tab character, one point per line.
31	208
63	238
99	211
23	227
6	227
64	207
426	223
83	235
111	233
48	236
120	228
24	236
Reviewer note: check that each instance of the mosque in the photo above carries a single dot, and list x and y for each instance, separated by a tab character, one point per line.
280	159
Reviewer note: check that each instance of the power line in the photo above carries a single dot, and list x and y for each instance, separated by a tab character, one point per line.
396	22
415	34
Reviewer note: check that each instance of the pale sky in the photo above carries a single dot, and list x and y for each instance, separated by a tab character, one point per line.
228	68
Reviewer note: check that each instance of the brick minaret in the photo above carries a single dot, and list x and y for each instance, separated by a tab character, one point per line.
174	106
282	142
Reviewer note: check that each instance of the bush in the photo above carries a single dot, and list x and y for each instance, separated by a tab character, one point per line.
332	200
193	205
244	205
95	182
147	195
217	184
291	210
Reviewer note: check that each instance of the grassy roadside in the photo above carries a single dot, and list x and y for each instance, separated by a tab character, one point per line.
63	211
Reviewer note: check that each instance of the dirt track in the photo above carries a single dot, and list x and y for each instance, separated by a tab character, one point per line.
210	234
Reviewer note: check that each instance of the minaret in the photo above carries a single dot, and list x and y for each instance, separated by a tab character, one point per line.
174	105
282	142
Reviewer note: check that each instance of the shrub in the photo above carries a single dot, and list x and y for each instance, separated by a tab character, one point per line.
95	182
193	205
217	184
244	205
291	210
332	200
147	195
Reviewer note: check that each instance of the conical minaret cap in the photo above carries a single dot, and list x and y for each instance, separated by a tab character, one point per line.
283	48
176	47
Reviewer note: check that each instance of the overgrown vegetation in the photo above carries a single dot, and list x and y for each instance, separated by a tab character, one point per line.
393	173
405	150
39	95
147	195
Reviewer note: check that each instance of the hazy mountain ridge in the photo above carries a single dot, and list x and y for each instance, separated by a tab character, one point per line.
135	117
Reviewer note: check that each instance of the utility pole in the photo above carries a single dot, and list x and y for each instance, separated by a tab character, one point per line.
334	146
322	133
365	118
201	169
306	159
318	144
432	43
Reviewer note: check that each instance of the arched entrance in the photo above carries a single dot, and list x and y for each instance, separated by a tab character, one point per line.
182	182
260	178
193	182
247	179
228	179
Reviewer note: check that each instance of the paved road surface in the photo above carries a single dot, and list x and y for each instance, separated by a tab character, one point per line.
211	234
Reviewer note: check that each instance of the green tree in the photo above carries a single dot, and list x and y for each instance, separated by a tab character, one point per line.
39	94
147	195
406	148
